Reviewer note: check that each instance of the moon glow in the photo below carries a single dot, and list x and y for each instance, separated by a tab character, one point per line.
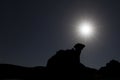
85	29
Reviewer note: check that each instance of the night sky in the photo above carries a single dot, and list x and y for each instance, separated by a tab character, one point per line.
32	31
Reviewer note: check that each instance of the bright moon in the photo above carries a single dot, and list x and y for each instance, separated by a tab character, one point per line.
86	29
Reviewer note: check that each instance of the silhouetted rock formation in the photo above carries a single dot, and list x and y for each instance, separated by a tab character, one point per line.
65	58
8	71
111	70
65	64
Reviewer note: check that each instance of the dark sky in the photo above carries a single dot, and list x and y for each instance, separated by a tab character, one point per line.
32	31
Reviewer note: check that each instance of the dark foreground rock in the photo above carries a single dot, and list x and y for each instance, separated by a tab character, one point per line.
65	64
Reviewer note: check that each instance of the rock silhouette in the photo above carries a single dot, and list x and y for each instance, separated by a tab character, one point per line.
65	58
65	64
68	63
111	70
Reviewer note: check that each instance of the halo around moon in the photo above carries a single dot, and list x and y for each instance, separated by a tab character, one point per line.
85	29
